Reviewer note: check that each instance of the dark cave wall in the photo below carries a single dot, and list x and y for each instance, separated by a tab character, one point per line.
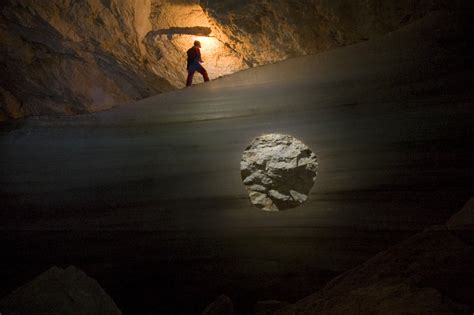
273	30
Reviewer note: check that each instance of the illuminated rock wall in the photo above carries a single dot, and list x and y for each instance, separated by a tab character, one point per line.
176	25
68	57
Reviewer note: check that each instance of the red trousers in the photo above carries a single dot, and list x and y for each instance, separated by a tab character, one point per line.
191	72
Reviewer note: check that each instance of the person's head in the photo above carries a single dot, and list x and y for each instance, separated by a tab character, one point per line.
197	44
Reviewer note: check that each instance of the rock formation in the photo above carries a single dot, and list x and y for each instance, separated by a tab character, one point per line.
273	30
59	291
464	219
69	57
429	273
278	172
221	306
73	57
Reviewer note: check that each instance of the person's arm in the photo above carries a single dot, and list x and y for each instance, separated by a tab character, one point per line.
199	56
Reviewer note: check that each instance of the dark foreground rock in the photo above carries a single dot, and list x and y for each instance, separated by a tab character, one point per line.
268	307
59	291
462	223
221	306
464	219
429	273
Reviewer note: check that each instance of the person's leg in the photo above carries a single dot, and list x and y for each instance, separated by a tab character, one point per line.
189	81
204	74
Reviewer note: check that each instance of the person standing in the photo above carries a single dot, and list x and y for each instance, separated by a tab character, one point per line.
194	63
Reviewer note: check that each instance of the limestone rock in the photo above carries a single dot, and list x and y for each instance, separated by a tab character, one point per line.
59	291
278	172
63	57
221	306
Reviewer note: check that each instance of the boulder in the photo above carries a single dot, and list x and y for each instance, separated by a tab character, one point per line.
278	172
59	291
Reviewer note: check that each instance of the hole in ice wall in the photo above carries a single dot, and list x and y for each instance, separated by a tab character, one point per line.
278	172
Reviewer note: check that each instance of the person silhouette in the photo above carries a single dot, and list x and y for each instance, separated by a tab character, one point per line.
194	63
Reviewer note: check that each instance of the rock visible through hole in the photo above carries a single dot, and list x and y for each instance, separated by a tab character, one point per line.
278	172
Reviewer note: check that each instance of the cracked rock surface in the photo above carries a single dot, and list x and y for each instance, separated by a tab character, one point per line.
278	172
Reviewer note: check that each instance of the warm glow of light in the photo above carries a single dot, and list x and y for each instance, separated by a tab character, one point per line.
209	45
218	59
181	23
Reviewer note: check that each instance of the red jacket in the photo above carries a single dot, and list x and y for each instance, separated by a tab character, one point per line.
194	55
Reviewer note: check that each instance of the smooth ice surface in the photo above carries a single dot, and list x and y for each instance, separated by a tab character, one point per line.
149	195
